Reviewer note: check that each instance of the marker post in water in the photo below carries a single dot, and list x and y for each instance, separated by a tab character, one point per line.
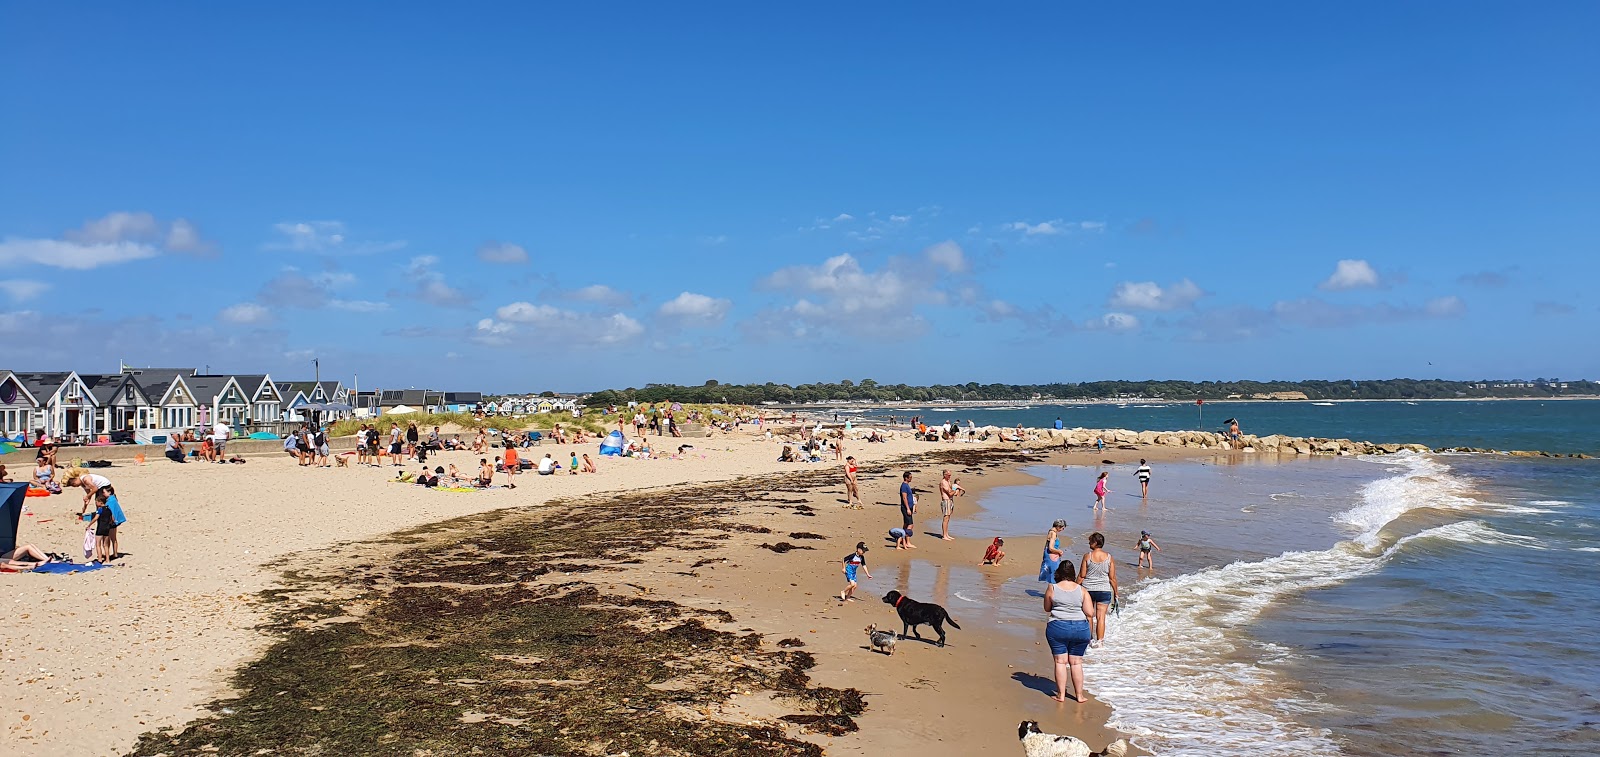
1200	403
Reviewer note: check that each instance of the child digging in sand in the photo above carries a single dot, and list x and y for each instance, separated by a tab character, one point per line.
853	561
994	554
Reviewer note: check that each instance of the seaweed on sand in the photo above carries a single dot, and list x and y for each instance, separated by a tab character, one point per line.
468	639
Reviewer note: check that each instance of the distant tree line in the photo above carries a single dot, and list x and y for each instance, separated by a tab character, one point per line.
870	390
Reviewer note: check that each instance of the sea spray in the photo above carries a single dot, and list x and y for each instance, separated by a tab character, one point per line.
1179	668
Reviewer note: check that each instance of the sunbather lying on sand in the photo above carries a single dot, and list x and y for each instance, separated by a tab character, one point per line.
24	557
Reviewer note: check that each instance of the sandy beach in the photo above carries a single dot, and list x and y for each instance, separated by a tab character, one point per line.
101	658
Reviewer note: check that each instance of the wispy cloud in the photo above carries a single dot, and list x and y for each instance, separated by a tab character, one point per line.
1351	274
1548	308
119	237
431	287
531	324
22	290
245	313
325	237
502	252
1055	227
692	308
1148	295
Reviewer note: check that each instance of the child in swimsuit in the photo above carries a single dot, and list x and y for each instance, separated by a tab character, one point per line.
994	554
1146	544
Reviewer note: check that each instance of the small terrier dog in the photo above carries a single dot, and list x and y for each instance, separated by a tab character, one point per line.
883	640
1036	743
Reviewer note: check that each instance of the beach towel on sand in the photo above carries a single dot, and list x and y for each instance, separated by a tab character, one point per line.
64	568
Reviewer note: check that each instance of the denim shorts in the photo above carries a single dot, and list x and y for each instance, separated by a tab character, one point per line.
1068	637
1100	597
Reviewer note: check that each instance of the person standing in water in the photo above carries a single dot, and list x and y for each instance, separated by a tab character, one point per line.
947	505
1143	473
1100	491
1146	544
1098	576
1052	551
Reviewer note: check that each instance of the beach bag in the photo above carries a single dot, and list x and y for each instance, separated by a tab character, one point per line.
116	510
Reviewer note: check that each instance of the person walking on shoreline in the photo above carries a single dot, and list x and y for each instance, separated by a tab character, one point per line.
1143	474
1068	607
1100	491
1098	575
908	511
852	486
947	505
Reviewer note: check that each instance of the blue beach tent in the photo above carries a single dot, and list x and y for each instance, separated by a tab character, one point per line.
613	443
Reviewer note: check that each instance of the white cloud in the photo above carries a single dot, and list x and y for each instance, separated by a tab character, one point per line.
358	306
22	290
842	294
502	252
1044	228
431	286
324	237
1351	274
1147	295
184	236
574	328
689	306
899	219
118	237
76	256
120	226
599	294
947	255
1054	227
1445	307
1115	322
842	217
245	312
712	240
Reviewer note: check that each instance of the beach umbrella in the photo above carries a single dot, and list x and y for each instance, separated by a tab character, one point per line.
11	498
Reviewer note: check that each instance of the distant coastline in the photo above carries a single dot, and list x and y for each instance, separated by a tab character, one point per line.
892	404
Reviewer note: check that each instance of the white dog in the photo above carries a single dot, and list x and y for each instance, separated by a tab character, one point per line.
1036	743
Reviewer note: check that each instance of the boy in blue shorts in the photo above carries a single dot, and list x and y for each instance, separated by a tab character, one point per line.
852	562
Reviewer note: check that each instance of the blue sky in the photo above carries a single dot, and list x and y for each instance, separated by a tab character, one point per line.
509	197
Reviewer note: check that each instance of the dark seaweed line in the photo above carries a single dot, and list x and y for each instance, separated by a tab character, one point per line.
462	642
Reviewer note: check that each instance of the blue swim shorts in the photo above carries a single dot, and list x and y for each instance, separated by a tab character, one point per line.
1068	637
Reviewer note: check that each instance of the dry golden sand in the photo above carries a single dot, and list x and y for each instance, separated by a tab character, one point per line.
95	660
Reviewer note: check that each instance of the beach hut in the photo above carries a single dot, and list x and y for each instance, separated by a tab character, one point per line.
20	411
613	443
70	410
266	402
219	399
124	404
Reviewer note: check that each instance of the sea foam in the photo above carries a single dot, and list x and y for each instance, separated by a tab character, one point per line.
1182	675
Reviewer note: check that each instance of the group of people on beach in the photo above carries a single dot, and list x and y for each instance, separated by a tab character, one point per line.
1078	597
100	544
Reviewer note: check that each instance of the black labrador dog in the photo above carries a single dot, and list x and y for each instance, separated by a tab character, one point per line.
914	613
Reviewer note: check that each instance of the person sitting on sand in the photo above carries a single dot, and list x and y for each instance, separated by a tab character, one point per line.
208	450
547	466
787	455
572	470
485	472
588	465
994	554
427	479
24	557
174	451
453	476
480	443
44	476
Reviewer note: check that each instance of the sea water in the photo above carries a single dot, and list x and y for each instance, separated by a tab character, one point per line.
1408	604
1552	425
